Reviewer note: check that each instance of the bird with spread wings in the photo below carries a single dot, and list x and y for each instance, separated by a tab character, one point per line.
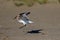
23	18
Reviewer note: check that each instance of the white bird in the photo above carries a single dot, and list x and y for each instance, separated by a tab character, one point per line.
23	18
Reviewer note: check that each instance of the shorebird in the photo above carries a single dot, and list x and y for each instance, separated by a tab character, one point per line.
23	18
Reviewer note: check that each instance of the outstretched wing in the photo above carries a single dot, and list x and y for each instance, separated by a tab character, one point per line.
24	15
27	13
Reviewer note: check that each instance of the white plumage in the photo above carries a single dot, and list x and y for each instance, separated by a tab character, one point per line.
23	18
25	22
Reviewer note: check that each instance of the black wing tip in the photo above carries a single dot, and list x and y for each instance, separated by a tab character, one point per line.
24	13
21	14
28	13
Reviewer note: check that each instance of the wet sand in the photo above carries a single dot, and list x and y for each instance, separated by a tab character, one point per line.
46	17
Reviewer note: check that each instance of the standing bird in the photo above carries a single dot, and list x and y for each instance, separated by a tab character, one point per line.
23	18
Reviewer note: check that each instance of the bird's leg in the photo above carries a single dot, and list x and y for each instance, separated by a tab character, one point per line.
22	26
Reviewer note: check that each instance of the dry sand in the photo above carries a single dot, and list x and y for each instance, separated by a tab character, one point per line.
46	17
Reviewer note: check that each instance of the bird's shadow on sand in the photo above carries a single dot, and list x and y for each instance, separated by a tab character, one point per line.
35	31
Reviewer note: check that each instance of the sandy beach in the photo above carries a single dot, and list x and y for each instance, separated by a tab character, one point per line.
46	17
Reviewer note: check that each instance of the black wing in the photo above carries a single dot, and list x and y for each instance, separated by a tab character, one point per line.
24	13
27	13
21	14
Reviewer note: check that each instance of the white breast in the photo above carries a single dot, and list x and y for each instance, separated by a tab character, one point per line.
21	21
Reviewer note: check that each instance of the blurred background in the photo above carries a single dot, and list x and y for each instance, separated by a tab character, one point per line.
44	13
32	2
